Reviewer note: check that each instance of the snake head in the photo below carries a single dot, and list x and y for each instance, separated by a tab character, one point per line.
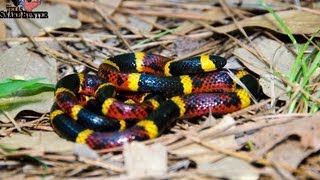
251	83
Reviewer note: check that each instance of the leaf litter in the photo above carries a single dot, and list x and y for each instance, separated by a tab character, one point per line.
278	58
259	141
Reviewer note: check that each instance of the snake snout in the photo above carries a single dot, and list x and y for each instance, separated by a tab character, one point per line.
251	83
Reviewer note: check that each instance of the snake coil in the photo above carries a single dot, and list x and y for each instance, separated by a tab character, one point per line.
87	109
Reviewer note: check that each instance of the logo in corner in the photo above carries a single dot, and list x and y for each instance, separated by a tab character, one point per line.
23	9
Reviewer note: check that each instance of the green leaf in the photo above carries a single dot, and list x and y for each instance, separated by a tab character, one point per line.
23	87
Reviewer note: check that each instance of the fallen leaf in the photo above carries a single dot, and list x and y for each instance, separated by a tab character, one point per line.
9	175
307	129
201	154
38	140
215	14
59	17
19	61
229	168
218	14
273	86
209	121
88	16
3	30
83	150
297	154
312	162
233	63
135	24
91	16
141	160
299	22
278	56
110	6
183	46
3	4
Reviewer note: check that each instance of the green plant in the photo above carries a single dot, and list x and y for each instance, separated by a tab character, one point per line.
302	91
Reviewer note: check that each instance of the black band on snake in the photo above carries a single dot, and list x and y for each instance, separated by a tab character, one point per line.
87	108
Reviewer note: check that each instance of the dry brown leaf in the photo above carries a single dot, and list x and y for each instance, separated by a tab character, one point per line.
3	30
134	24
213	14
83	150
288	144
188	4
297	154
183	46
3	4
91	16
299	22
38	140
312	162
141	160
88	16
216	13
110	6
306	129
200	154
230	168
278	56
9	175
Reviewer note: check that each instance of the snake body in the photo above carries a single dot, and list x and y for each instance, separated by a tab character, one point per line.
86	109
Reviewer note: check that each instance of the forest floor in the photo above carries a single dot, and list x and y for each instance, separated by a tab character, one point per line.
276	137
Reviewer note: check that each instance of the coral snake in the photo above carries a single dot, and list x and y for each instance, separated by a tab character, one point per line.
87	109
